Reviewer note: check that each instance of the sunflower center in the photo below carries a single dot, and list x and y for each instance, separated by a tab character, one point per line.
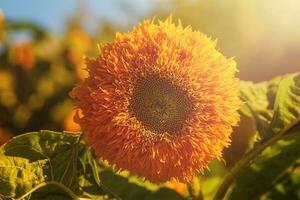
159	105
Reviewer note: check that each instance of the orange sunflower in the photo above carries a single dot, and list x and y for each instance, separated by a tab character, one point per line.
160	101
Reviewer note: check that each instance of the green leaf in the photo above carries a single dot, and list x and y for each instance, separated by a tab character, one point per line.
55	165
19	175
88	173
274	105
164	194
260	176
38	157
286	106
121	188
52	191
288	187
259	102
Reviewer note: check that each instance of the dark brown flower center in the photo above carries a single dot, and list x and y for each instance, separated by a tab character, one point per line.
159	105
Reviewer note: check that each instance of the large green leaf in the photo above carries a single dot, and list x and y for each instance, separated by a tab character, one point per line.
287	187
55	165
274	105
88	174
259	102
52	191
34	158
260	176
19	175
164	194
121	188
286	106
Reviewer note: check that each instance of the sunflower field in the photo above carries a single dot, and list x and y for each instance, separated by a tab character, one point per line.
150	100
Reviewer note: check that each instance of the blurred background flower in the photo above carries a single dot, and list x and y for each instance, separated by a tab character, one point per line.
4	136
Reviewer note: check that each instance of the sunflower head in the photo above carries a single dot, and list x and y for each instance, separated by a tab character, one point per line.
160	101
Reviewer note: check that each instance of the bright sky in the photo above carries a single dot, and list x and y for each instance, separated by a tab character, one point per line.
52	14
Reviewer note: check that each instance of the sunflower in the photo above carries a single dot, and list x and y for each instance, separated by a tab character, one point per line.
160	101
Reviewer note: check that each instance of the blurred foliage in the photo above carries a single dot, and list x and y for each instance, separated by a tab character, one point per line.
37	72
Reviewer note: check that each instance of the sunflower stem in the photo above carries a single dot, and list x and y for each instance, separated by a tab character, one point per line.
193	193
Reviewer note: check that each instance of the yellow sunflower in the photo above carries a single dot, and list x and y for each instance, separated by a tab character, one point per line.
160	101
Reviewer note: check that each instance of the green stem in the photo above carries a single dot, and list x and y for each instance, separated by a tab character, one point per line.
194	195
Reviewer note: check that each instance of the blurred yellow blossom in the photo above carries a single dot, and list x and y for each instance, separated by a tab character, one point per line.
2	19
79	43
23	54
4	136
180	188
7	96
69	124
